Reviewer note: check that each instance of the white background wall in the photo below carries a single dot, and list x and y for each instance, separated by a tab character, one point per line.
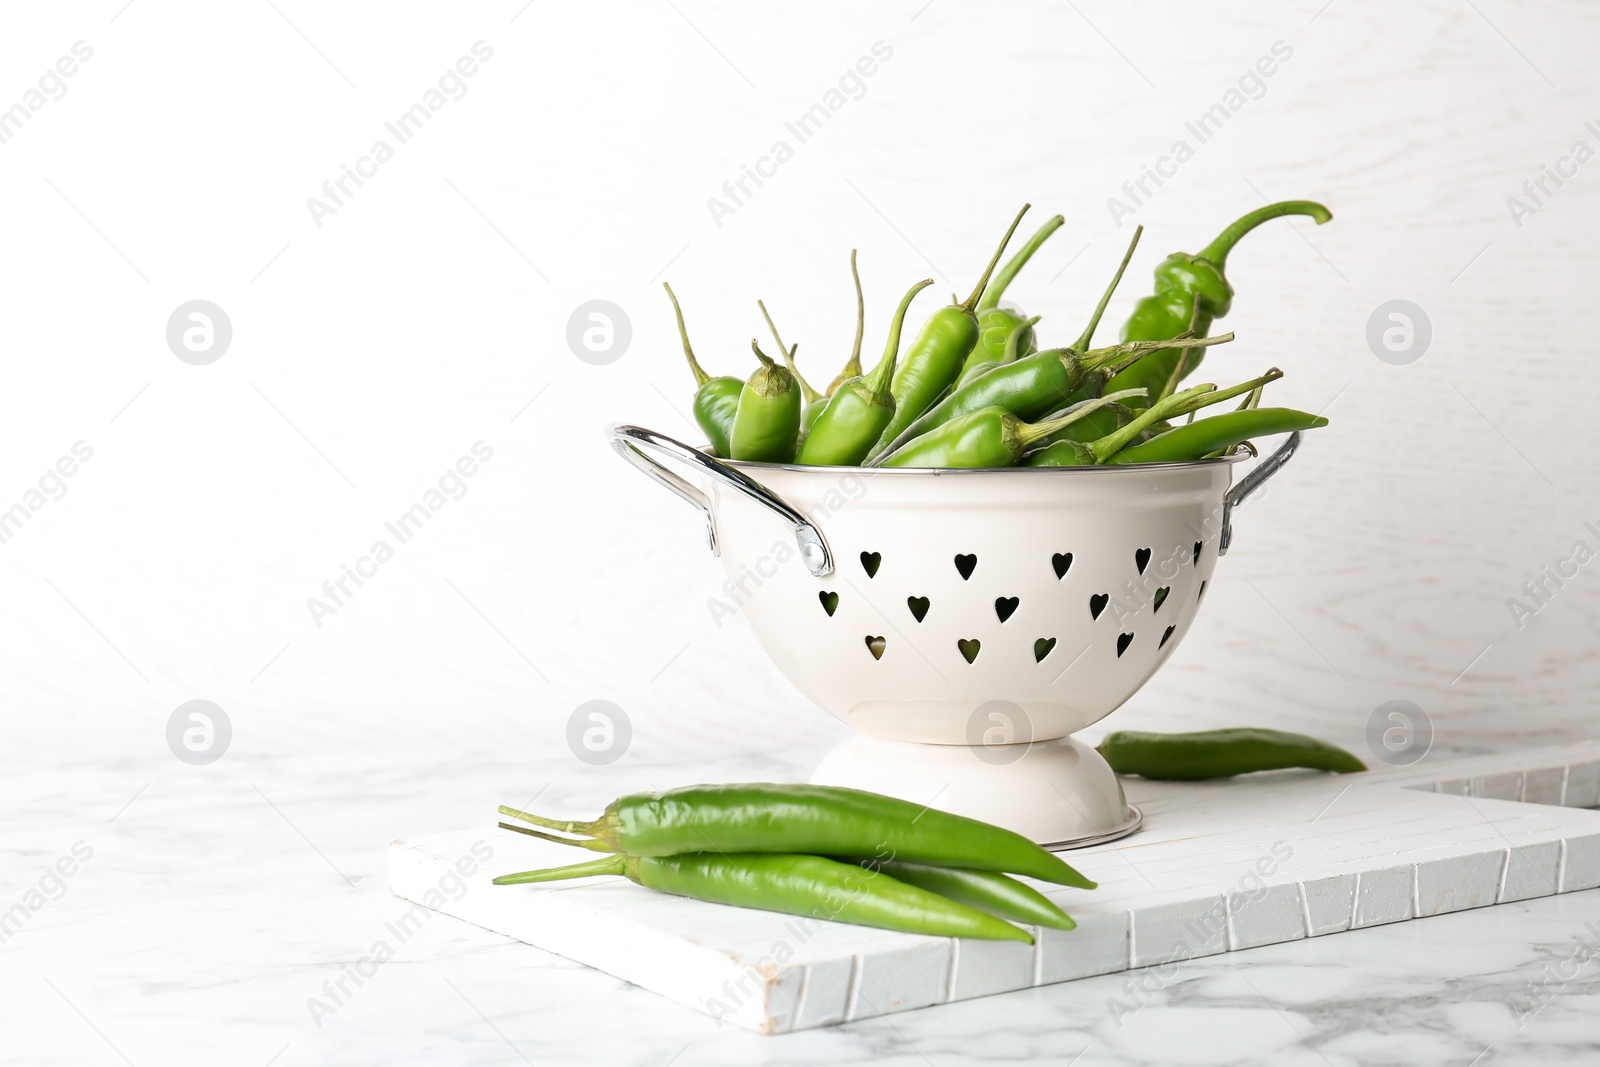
429	313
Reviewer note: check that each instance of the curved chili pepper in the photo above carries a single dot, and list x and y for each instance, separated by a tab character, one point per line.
817	819
766	425
1199	439
1221	753
936	356
1180	278
856	415
1069	453
715	399
990	437
813	401
995	323
1031	387
1022	331
852	369
987	891
793	885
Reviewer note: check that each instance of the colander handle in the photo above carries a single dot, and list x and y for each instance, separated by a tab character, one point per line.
627	440
1249	484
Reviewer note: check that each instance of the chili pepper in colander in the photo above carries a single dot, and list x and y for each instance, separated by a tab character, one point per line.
1067	453
989	437
856	415
1221	753
794	885
1179	279
1031	387
766	425
852	368
812	819
995	323
715	399
935	358
987	891
1013	352
1203	397
1219	433
813	401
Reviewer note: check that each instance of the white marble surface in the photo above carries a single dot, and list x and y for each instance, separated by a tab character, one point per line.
430	313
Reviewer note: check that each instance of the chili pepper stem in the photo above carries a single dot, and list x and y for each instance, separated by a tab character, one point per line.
808	394
592	846
564	825
1217	396
1105	298
1109	445
1217	251
605	865
852	369
1028	433
997	288
700	376
878	381
971	302
1119	357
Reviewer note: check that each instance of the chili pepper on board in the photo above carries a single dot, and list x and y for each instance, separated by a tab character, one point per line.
793	885
987	891
995	323
1179	278
989	437
816	819
766	425
1199	439
813	401
852	369
856	414
939	352
715	399
1221	754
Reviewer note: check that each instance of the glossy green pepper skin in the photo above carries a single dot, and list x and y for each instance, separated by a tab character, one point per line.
1200	438
1179	279
812	886
716	400
1207	754
815	819
936	357
766	426
987	891
987	438
856	414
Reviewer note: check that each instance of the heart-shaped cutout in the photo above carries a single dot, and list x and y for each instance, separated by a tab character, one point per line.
1061	562
1141	559
876	645
1201	593
1005	607
1197	551
918	606
1042	647
969	648
1161	596
870	562
1166	634
966	564
1123	641
830	602
1097	604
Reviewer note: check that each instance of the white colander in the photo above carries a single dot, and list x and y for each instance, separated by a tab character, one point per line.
977	608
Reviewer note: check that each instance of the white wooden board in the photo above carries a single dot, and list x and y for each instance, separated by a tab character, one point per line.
1217	867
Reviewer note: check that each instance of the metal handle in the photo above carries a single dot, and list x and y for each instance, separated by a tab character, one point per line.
1249	484
626	440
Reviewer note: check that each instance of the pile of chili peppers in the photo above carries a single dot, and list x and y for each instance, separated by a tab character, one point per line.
973	389
820	851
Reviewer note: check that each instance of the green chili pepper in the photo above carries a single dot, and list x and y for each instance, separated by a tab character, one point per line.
715	399
1031	387
852	369
985	890
856	415
1112	418
817	819
935	359
990	437
1022	331
766	426
793	885
1221	754
1179	279
814	401
995	323
1218	433
1068	453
